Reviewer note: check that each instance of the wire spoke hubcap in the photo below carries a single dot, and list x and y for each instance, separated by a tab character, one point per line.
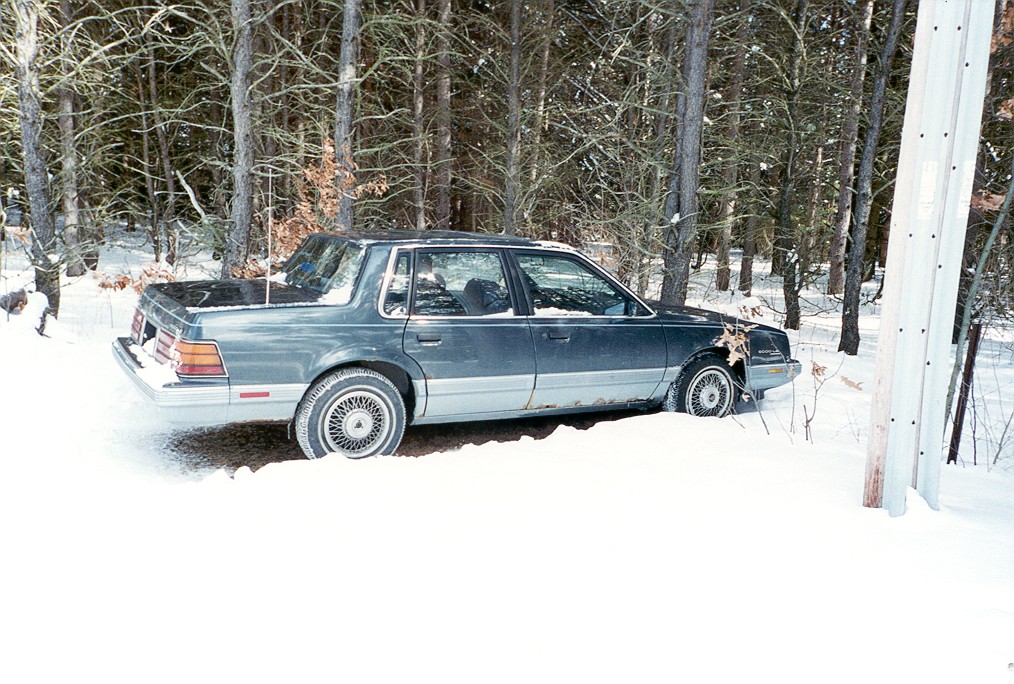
357	422
710	393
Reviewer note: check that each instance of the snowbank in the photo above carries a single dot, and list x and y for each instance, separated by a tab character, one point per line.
657	548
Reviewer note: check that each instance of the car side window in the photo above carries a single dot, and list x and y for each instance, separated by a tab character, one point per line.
396	299
466	283
562	286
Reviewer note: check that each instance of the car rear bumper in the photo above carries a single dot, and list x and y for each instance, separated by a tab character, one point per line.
764	376
206	403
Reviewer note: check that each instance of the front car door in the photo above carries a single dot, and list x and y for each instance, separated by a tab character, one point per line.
465	332
595	343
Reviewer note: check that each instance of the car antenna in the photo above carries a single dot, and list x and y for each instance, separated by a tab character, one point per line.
267	276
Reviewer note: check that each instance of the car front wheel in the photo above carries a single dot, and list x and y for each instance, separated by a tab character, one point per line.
706	387
356	412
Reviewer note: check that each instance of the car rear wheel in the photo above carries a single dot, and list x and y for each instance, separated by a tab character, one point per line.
706	387
356	412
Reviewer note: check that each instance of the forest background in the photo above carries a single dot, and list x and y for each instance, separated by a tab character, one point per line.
659	134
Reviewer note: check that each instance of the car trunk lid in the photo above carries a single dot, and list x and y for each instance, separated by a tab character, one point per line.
164	309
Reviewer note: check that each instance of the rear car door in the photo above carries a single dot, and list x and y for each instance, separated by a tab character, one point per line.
464	331
595	343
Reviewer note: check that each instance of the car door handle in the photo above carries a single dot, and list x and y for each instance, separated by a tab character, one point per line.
559	336
428	338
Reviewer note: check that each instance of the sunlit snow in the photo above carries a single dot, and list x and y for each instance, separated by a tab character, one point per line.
656	548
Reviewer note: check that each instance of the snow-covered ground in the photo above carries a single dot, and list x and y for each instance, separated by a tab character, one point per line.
657	548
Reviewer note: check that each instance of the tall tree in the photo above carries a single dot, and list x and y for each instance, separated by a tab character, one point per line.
238	242
849	342
68	148
680	215
443	116
168	222
750	232
849	142
786	242
730	174
44	253
998	75
344	124
418	114
512	176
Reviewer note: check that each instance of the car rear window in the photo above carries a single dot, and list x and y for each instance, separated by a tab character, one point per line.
326	265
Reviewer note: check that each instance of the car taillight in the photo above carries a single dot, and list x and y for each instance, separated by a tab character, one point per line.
137	326
163	346
196	358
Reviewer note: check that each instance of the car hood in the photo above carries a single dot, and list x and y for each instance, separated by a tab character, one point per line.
687	315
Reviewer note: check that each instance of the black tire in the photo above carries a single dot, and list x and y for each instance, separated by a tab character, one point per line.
355	411
707	386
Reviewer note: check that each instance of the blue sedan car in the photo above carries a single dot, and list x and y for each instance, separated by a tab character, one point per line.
364	334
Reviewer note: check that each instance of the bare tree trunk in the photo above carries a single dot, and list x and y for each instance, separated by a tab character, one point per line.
976	280
68	152
238	243
864	183
513	124
540	98
443	116
343	127
730	175
26	69
418	120
808	241
681	204
750	236
977	219
149	181
662	134
786	239
847	161
165	157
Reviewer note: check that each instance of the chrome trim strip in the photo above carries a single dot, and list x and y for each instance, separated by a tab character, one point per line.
392	259
601	271
603	378
569	251
480	385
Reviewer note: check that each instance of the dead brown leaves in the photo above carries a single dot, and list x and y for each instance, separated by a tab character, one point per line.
150	274
319	194
734	338
1006	109
749	312
1004	35
987	202
116	282
23	235
851	383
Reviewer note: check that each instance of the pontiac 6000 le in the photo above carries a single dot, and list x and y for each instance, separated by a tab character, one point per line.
363	334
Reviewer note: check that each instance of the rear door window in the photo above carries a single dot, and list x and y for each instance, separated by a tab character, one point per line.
460	283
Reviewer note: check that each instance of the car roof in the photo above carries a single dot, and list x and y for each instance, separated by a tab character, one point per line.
434	237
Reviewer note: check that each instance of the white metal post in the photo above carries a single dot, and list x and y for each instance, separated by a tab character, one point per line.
932	192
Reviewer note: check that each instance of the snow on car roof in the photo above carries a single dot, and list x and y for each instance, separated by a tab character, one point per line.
432	237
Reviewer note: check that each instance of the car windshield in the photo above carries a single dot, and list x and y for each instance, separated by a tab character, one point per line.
326	265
